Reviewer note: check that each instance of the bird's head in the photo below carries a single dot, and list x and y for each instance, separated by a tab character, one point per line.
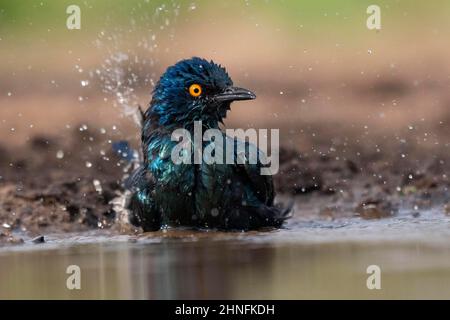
194	90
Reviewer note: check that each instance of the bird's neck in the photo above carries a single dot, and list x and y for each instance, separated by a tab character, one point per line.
201	124
153	129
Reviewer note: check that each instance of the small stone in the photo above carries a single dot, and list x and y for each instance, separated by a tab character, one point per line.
374	209
447	209
327	213
14	240
38	239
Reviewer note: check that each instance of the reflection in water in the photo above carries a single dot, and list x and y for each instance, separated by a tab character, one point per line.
208	268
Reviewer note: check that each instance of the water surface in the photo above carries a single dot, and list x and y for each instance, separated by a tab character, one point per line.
308	259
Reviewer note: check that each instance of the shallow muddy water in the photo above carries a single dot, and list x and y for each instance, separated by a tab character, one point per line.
307	259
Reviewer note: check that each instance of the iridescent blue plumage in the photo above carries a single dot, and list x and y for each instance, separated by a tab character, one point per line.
223	196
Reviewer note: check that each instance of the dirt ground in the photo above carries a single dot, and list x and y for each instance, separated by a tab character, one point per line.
57	184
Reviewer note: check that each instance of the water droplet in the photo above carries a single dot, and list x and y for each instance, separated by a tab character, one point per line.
60	154
214	212
97	186
88	164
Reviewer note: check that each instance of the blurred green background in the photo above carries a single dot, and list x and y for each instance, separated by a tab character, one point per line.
35	15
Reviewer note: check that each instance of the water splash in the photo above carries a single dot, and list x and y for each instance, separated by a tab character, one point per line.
132	52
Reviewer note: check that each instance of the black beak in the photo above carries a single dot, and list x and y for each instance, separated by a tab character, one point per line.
234	94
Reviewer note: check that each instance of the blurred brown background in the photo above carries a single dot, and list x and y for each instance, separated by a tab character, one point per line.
320	75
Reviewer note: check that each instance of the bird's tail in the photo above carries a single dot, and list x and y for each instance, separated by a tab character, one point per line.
274	216
254	218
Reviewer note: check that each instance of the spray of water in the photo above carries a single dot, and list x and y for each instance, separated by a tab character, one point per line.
130	55
132	52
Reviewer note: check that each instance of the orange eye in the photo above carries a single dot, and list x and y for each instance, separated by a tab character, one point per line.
195	90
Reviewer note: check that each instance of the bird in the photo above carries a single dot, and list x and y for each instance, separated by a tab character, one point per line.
165	194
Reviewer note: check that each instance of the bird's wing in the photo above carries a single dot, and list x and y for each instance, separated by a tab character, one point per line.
262	185
139	179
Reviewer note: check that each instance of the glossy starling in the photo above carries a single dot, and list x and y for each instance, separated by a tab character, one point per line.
220	196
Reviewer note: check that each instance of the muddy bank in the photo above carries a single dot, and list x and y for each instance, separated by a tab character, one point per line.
59	184
66	183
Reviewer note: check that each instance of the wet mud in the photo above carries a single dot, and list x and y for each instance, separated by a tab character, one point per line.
67	183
